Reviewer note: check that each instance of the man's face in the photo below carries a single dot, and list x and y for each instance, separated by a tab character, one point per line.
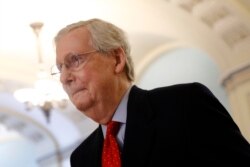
90	84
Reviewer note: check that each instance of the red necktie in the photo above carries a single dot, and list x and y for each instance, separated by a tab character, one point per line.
111	153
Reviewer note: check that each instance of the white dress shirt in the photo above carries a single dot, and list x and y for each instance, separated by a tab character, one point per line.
120	115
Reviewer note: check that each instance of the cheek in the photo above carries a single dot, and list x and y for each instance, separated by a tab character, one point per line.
83	77
101	82
96	75
101	76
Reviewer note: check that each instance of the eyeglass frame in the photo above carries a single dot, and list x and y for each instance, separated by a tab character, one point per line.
71	62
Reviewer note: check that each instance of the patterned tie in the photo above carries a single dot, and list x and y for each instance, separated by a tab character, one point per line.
111	153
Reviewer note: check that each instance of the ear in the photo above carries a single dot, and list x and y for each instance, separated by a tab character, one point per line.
120	58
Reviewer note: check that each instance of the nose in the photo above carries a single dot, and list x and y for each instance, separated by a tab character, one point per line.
66	76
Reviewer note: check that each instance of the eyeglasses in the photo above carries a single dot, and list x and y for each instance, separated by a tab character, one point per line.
72	62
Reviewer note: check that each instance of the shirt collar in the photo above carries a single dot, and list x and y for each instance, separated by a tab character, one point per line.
120	114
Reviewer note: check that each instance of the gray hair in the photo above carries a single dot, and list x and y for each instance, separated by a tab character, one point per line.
105	37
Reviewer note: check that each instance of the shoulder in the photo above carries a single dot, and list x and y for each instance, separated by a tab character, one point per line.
182	87
175	90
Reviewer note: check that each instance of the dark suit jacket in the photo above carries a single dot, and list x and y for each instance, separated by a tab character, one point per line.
172	126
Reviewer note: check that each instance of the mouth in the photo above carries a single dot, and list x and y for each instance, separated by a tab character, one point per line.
75	92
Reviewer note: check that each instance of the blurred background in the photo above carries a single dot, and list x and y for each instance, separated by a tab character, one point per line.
172	41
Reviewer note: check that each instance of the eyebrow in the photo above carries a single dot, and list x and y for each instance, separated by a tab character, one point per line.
73	53
67	55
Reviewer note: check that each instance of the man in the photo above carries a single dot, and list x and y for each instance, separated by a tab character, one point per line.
168	126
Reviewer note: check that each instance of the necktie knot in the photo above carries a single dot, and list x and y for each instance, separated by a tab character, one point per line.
113	128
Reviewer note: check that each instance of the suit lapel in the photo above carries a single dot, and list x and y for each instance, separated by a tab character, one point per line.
98	147
91	153
139	131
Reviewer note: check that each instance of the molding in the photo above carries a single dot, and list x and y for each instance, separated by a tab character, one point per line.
7	113
236	75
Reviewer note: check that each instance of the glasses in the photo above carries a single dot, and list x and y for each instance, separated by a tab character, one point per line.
72	62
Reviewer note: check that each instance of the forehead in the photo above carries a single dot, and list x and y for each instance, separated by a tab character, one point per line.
75	41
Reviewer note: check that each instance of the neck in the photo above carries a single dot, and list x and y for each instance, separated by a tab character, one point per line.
105	109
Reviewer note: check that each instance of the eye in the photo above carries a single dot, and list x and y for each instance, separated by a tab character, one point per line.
74	60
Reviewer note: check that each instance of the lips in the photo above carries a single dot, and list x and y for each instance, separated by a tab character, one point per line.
73	92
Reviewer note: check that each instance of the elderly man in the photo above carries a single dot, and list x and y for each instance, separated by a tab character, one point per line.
168	126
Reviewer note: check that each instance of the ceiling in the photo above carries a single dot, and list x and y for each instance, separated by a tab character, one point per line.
149	24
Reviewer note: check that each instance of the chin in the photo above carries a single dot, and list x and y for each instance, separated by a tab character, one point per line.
81	102
82	106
